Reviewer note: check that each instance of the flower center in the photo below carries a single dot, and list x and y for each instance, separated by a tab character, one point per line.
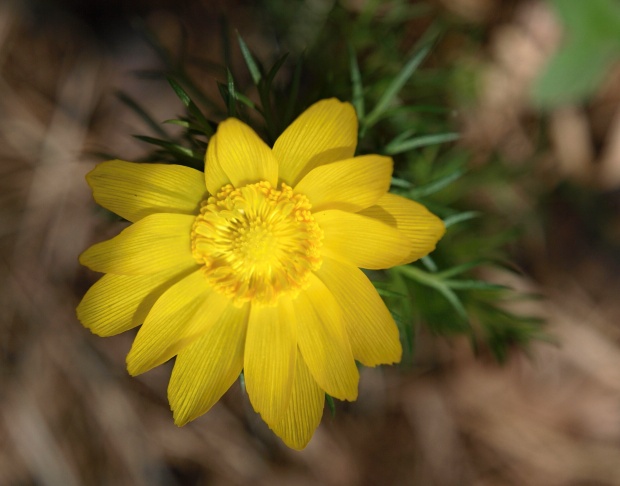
256	243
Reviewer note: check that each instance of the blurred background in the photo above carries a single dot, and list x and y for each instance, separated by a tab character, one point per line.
533	88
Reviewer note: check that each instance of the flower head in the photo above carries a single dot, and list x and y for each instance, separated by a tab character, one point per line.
254	266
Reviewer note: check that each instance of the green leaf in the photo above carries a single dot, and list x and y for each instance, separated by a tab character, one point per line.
245	100
242	383
436	186
176	121
223	89
453	300
185	124
459	269
460	217
232	94
274	70
503	330
593	44
597	19
141	112
294	93
356	84
395	86
403	320
180	92
573	74
473	285
249	60
429	263
433	280
170	146
400	146
383	292
264	91
404	135
330	404
406	333
401	183
192	108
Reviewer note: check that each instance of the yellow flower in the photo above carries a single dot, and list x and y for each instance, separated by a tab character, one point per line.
253	266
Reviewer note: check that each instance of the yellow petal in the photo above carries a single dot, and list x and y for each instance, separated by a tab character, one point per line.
421	227
323	340
363	241
243	156
269	365
134	191
350	185
325	132
215	177
205	369
305	409
117	303
184	312
154	244
371	329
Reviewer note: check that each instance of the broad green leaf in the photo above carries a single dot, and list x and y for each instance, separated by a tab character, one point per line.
572	74
594	19
592	46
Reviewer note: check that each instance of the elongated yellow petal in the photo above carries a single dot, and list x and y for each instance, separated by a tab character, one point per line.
134	191
363	241
305	409
154	244
215	177
269	364
243	156
183	313
323	339
117	303
371	329
350	185
421	227
325	132
205	369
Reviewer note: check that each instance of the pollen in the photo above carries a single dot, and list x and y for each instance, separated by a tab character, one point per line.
257	242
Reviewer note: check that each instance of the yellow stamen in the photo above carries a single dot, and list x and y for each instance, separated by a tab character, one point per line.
256	242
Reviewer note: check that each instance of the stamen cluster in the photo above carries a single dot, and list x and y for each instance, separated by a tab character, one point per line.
256	242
